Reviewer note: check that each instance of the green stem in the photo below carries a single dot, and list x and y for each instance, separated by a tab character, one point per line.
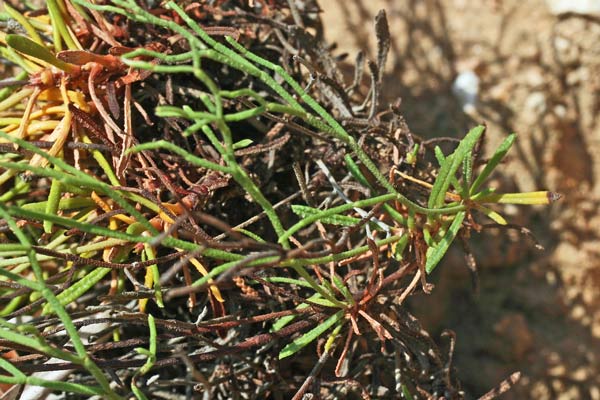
70	328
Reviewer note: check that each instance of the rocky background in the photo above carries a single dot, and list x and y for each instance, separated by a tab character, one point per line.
535	70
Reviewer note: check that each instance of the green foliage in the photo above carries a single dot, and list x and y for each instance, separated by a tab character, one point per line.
36	50
74	194
437	251
493	162
310	336
451	165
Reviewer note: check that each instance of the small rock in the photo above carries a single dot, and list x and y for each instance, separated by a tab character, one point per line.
540	391
466	89
580	374
560	111
535	78
501	92
571	393
580	75
551	278
578	312
535	104
596	330
567	52
557	371
558	386
595	393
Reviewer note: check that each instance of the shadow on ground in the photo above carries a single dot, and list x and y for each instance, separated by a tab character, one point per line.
537	311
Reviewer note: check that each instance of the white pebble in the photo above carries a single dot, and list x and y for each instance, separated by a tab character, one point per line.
466	89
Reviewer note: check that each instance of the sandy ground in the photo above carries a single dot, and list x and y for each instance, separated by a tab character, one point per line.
538	311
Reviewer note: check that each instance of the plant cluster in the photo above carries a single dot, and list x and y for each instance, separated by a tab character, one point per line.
193	201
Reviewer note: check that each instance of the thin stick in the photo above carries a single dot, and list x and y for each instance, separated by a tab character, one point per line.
313	374
410	287
502	387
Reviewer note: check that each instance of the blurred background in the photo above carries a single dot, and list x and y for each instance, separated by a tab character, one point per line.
531	67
